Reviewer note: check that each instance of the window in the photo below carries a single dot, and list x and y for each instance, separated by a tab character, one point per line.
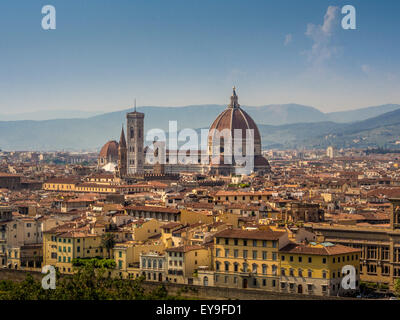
283	258
324	274
274	270
264	269
291	272
264	243
323	260
300	273
254	268
254	243
217	252
300	259
226	241
274	244
245	254
309	260
236	267
283	271
226	253
245	267
217	265
291	258
274	256
254	254
310	273
264	255
236	242
236	253
226	266
244	242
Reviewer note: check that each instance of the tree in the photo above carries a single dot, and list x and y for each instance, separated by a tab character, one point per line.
108	242
87	283
397	287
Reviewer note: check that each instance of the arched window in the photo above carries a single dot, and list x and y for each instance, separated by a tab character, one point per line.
245	267
205	281
226	266
264	269
254	268
217	265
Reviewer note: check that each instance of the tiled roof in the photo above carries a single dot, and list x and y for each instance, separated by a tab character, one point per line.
247	234
318	249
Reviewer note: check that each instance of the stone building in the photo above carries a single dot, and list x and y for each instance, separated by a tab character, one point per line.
379	245
135	136
305	212
10	181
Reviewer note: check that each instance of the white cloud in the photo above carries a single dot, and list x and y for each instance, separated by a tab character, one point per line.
288	39
322	50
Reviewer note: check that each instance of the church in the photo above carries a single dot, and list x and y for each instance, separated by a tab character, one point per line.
221	157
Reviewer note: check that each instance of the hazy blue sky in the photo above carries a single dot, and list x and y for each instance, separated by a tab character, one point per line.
103	54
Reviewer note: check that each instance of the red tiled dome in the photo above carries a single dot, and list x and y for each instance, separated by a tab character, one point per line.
236	118
109	150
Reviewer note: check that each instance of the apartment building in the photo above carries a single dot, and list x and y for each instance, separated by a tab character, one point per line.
248	259
316	268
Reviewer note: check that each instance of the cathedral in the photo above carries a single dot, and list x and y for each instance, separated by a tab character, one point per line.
222	157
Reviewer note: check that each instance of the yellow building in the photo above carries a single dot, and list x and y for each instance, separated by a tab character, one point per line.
60	247
242	197
60	184
127	257
248	259
316	268
184	261
191	217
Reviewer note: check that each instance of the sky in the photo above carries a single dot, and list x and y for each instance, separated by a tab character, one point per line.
103	54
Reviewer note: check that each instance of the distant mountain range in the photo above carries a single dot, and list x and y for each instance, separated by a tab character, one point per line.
283	126
48	115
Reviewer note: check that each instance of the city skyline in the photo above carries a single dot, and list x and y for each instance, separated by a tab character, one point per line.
101	56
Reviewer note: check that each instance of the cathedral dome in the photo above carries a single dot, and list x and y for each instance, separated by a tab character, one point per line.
230	120
235	118
109	152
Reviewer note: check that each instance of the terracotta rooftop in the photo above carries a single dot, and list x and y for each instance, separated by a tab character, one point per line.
247	234
318	249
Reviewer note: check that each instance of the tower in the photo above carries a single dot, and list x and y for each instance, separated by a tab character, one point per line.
135	130
122	155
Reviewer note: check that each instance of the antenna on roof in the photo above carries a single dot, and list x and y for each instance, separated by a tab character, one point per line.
135	105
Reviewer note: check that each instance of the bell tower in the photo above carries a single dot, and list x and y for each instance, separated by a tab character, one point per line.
135	137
